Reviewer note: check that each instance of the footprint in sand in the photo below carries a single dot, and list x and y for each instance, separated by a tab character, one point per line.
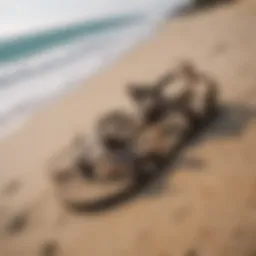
238	233
219	49
17	224
11	188
50	248
181	213
164	254
2	211
206	233
191	252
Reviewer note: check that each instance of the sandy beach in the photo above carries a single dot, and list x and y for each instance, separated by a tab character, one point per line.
206	207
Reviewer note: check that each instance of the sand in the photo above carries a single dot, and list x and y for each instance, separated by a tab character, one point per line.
206	207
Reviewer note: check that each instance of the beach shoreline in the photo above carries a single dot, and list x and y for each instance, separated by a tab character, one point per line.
28	83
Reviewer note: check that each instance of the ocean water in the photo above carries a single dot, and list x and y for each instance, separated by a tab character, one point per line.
53	52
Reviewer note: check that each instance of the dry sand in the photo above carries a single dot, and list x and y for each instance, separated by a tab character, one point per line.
208	206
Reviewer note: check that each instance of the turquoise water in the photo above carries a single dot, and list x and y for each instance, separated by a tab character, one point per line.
27	45
38	67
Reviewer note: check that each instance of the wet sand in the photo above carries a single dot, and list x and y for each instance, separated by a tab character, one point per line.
206	206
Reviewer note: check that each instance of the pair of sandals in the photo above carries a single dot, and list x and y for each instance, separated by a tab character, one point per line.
129	149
